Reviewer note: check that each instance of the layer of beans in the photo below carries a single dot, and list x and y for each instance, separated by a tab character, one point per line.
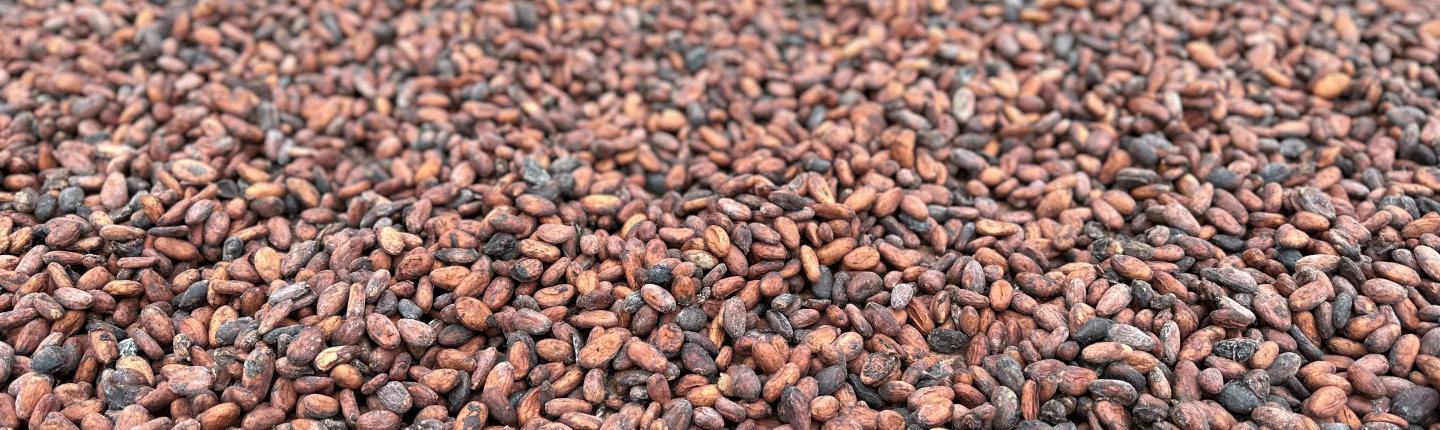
639	214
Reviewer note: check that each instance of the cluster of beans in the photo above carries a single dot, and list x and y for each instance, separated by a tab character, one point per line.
640	214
